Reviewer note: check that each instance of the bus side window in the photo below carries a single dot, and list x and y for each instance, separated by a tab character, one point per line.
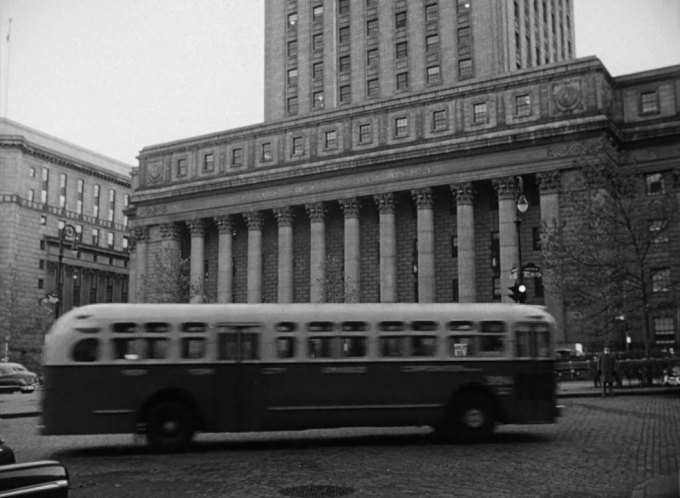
156	327
532	340
459	326
227	346
320	347
391	347
157	349
423	345
193	327
124	327
193	348
543	341
353	347
424	325
128	349
285	347
491	345
250	346
462	346
86	350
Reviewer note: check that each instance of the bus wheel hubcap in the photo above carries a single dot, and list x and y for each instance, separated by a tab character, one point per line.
474	418
170	426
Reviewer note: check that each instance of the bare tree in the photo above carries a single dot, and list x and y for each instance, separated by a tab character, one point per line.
168	279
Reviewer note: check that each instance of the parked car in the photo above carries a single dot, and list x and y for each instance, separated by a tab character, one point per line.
43	479
672	376
6	454
16	377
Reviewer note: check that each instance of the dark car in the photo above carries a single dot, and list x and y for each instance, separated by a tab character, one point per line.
6	454
45	479
16	377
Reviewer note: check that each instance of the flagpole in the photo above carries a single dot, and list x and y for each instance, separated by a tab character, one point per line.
9	32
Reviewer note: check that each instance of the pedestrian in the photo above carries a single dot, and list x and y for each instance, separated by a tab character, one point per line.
593	367
607	368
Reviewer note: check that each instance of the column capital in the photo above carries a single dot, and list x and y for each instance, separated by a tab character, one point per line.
141	234
506	187
549	181
196	227
225	224
284	216
423	197
385	202
350	207
169	231
254	220
132	242
463	192
316	211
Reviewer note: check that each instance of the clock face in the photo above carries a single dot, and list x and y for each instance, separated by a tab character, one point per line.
69	231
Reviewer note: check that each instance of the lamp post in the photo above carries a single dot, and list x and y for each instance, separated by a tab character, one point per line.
68	232
522	207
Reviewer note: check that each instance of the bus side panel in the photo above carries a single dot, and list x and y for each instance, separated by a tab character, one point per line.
535	397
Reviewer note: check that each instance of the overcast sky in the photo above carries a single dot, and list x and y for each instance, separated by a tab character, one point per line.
115	76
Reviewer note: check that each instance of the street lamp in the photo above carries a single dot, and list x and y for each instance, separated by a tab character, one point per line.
67	232
519	290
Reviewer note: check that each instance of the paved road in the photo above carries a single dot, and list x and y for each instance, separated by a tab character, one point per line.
601	447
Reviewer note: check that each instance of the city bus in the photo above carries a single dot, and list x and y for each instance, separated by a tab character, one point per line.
171	370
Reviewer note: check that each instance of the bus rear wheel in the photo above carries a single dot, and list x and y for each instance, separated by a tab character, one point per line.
473	418
170	425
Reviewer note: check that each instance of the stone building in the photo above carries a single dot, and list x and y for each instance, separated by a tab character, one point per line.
403	198
49	187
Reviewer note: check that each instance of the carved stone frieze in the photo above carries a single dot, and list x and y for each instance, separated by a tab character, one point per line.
568	97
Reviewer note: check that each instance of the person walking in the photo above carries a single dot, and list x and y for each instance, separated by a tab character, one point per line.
607	368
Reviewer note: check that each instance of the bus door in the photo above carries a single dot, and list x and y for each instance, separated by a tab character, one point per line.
534	373
238	349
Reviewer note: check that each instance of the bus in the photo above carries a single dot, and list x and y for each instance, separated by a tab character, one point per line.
170	370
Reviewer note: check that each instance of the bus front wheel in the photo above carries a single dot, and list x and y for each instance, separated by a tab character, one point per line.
170	425
473	418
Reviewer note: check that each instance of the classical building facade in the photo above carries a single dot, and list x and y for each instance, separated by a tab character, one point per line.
52	192
323	54
411	198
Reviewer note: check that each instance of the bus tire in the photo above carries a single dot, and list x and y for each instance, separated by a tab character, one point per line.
170	425
473	418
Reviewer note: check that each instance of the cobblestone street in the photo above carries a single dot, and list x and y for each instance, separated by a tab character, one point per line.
601	447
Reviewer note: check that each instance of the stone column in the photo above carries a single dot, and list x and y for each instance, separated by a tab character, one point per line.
255	222
132	270
388	247
426	284
549	185
197	272
284	218
465	231
166	287
142	243
350	207
225	259
317	252
507	232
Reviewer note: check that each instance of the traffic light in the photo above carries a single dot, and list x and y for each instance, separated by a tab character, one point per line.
518	292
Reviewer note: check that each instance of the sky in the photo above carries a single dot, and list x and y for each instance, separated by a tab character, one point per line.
115	76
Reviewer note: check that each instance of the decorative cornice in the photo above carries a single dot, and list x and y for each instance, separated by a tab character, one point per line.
423	197
284	216
463	192
350	207
316	211
385	203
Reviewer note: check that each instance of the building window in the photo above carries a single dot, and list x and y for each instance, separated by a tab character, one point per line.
292	19
661	280
465	69
655	185
536	238
112	205
402	81
182	167
431	12
95	203
331	139
317	12
317	71
209	162
344	64
237	157
522	105
400	20
433	75
266	152
402	50
455	296
31	195
656	230
292	77
298	146
43	220
95	237
439	120
62	190
45	185
664	332
539	290
372	57
479	113
317	42
495	252
94	281
79	233
496	283
372	28
649	103
76	288
401	127
318	100
345	94
454	246
31	172
126	204
41	264
372	88
109	240
365	133
292	48
343	35
292	105
41	283
432	43
343	6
